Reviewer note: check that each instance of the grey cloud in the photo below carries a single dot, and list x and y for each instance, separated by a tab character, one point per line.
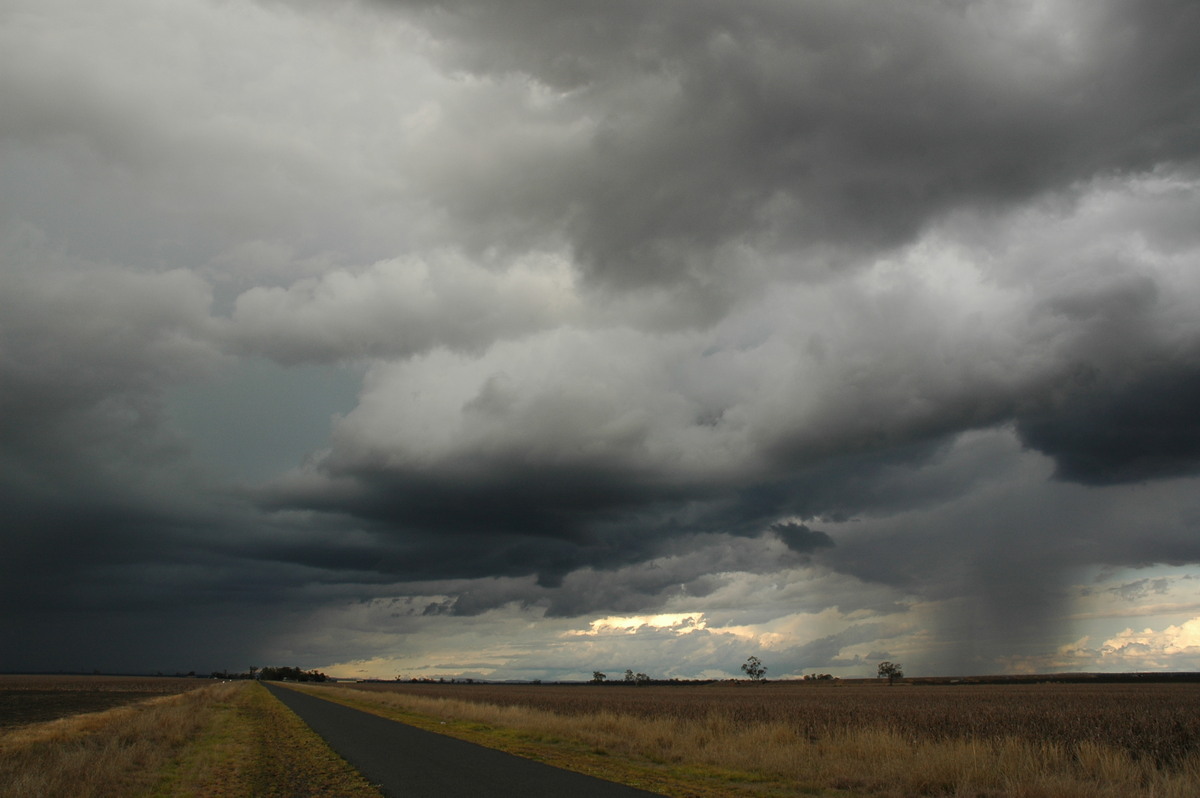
789	125
179	140
668	566
110	533
536	522
607	456
800	538
826	651
1133	591
88	353
1146	428
628	286
401	308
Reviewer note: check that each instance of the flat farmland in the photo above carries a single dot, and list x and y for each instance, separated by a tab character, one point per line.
37	698
1156	721
1037	740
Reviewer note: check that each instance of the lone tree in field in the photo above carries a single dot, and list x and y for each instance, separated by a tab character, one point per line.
598	677
890	671
755	669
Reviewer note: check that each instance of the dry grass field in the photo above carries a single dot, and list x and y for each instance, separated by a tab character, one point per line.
219	740
233	740
970	741
1159	722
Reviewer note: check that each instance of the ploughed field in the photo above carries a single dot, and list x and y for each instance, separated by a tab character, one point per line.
37	698
1155	722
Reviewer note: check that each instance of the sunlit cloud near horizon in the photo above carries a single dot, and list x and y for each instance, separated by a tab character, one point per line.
524	341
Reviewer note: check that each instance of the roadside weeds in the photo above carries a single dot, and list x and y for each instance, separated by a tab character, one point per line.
229	740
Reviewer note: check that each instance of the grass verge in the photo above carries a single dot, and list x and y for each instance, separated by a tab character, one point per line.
228	740
256	747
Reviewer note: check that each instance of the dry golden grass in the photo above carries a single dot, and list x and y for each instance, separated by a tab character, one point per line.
1159	721
258	748
230	740
118	752
721	754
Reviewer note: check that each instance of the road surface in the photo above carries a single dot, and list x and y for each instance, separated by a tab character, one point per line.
407	762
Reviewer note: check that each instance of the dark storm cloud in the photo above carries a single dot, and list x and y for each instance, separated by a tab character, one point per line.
647	299
585	534
1145	428
800	538
112	534
1125	408
92	486
507	519
793	125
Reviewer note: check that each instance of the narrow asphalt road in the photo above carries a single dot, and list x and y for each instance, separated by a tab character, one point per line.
412	763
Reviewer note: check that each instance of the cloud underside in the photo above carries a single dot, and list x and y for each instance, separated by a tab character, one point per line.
643	303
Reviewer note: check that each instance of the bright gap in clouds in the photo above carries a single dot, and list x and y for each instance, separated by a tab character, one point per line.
679	623
1135	619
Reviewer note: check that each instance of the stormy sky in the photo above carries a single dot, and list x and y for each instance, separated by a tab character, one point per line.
527	339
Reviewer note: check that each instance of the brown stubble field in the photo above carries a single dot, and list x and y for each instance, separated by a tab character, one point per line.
38	698
1156	721
1023	740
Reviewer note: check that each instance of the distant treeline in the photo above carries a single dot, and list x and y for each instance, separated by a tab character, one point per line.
274	674
286	674
1171	677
